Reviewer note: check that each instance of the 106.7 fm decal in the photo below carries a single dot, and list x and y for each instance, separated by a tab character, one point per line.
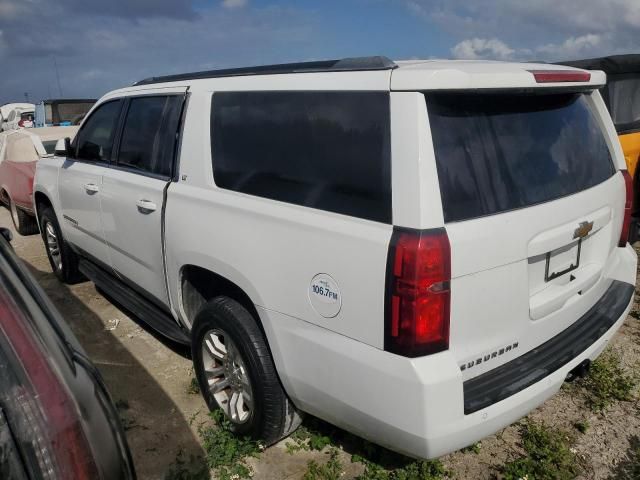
325	296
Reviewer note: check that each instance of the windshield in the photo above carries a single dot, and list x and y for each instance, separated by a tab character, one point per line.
623	92
500	152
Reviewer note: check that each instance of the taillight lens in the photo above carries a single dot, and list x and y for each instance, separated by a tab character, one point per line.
560	76
628	204
50	413
418	292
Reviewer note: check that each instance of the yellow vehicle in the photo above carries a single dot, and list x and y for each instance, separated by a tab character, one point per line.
622	96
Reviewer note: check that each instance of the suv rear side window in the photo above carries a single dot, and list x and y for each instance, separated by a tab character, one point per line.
95	138
324	150
500	152
149	134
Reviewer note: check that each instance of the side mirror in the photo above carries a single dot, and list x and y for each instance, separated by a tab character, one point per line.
63	147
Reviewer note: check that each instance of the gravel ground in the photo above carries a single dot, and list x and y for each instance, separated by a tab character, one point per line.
149	379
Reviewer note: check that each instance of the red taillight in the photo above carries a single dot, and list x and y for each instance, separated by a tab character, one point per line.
559	76
418	293
628	204
61	448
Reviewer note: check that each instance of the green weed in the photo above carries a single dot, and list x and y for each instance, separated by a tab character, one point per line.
607	382
226	453
582	426
331	470
193	388
379	463
548	455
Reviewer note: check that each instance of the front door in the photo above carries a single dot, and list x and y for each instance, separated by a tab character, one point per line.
80	181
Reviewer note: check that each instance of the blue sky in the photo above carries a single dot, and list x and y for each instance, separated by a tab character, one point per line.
100	45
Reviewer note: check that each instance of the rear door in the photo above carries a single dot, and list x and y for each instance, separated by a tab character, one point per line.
80	180
532	203
134	190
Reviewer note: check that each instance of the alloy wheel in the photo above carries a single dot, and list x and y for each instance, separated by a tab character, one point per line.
53	246
227	376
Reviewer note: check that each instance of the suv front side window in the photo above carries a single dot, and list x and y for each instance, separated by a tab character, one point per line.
95	139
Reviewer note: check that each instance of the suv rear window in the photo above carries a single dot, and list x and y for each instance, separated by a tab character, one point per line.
324	150
500	152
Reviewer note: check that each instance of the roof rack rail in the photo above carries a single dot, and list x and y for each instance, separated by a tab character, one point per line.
344	65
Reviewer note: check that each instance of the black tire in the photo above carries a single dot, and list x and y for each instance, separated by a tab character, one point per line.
273	416
66	267
24	223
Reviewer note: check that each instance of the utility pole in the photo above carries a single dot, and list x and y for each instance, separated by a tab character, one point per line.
55	64
26	97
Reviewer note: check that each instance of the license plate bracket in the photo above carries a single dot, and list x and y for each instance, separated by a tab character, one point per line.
550	275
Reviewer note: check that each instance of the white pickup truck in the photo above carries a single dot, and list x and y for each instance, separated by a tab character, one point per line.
418	252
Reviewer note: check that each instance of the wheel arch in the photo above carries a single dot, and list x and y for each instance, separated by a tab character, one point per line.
40	201
197	285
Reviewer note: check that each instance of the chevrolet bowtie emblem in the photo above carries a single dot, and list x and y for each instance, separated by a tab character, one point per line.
583	230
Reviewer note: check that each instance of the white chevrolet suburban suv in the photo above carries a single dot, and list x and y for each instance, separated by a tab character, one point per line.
418	252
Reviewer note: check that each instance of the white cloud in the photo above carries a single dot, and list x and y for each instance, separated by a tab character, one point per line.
234	3
482	48
494	49
539	29
572	47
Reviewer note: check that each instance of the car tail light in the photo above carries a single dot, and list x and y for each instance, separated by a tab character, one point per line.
560	76
418	292
628	204
49	412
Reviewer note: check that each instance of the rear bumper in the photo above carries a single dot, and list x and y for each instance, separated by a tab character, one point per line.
417	406
528	369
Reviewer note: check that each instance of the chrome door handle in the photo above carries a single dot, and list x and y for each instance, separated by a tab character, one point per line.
91	188
146	206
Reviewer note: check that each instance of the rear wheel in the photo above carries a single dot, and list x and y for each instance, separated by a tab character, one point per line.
24	223
63	260
236	373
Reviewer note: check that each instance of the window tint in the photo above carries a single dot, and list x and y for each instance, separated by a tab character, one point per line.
325	150
95	138
149	134
501	152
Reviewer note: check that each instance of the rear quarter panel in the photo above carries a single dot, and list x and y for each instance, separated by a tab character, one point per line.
17	180
272	250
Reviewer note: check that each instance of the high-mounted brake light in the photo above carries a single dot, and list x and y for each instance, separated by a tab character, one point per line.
418	292
560	76
628	204
60	446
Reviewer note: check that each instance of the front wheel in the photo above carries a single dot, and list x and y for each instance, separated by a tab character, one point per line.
63	260
236	373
